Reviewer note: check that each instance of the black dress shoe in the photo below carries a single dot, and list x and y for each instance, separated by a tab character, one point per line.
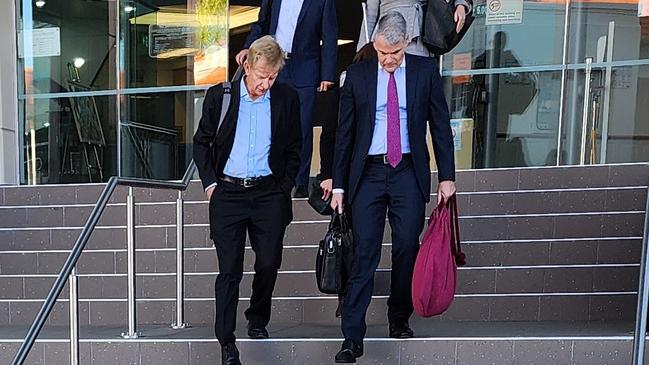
257	333
401	330
230	354
349	352
301	191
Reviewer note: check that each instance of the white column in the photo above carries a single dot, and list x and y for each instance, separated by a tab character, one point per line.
9	172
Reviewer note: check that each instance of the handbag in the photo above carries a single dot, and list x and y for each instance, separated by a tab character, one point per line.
439	34
435	274
335	252
317	203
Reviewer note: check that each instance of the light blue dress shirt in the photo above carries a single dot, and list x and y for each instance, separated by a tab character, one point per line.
379	144
251	148
287	22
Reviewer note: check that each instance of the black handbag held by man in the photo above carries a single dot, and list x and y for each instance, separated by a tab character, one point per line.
316	202
439	30
334	258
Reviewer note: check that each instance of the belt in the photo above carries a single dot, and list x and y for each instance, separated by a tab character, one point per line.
248	182
384	158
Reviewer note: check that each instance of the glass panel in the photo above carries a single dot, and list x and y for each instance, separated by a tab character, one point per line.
593	21
616	109
534	39
512	118
174	43
157	130
61	40
68	140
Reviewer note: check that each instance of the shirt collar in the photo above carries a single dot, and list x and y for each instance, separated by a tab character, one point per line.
402	65
243	94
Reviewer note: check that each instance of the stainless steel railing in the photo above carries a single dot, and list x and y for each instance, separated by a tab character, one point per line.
640	333
68	272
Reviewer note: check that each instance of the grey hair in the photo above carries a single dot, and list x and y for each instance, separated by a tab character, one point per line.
392	26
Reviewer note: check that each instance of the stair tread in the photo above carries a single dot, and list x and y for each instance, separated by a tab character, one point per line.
424	330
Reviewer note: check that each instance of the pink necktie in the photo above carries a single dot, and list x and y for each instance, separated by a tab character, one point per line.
394	130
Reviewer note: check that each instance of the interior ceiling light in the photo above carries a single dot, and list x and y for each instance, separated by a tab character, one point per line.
78	62
39	3
129	9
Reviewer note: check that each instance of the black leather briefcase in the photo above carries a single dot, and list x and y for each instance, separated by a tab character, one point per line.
334	258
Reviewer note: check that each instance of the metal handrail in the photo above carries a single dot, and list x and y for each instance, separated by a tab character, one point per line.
640	332
80	245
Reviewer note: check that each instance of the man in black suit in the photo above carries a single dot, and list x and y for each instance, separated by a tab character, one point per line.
248	169
382	165
307	30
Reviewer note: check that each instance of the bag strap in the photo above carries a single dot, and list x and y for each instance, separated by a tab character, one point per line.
225	104
456	248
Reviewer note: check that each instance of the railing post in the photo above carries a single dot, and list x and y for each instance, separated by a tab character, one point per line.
180	265
130	238
643	296
586	111
74	318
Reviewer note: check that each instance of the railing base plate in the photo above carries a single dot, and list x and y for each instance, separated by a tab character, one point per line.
181	326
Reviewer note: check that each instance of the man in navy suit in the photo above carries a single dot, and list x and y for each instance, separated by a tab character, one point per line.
382	166
307	31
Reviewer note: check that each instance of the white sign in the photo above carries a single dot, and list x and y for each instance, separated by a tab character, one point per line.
504	12
43	42
171	41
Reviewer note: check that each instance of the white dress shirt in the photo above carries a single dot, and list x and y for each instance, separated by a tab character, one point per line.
288	13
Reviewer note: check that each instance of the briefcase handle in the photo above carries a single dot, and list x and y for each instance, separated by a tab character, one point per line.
339	220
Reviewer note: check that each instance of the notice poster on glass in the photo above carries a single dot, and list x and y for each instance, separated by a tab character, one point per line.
42	42
500	12
461	61
166	41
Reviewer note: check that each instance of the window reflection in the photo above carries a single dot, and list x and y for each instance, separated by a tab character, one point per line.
157	131
537	39
173	44
615	120
512	117
68	139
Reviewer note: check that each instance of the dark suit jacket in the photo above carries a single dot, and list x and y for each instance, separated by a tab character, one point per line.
211	151
310	62
425	101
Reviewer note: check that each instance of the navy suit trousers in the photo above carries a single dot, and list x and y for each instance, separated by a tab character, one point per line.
307	104
393	191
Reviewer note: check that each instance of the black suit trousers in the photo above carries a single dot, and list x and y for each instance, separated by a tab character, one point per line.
263	213
383	189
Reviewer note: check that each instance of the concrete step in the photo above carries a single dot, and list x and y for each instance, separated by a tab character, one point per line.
476	280
619	175
514	202
547	226
591	343
302	257
484	307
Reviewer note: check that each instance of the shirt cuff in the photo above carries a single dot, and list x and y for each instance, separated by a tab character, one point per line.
466	4
338	191
210	186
